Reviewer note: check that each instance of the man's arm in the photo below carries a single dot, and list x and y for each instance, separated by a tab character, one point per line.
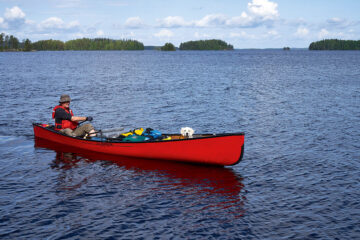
77	119
61	114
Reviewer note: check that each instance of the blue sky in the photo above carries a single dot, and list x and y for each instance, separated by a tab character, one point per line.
242	23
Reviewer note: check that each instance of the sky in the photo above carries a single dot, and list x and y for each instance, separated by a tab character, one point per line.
242	23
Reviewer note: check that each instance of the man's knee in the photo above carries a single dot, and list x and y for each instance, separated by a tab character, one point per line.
68	132
83	130
88	127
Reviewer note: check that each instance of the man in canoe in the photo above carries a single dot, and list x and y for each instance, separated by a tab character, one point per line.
67	123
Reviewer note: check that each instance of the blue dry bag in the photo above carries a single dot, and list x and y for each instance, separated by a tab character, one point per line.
152	134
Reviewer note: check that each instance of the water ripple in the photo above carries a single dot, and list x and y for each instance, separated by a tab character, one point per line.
300	174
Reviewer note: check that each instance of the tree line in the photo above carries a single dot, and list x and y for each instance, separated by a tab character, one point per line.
11	43
88	44
212	44
103	44
335	44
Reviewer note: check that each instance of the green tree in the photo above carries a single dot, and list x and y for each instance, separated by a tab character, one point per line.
13	42
2	35
6	42
27	45
168	47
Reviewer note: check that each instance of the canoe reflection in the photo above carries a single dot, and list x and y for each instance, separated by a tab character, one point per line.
199	180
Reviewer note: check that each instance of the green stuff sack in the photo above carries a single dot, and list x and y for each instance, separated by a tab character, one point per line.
135	138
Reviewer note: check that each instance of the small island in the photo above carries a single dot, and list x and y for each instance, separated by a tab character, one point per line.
335	44
286	48
168	47
213	44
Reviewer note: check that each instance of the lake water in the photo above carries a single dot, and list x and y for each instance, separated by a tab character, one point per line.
299	178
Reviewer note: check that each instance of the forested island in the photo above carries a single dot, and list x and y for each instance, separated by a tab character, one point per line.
335	44
87	44
11	43
213	44
168	47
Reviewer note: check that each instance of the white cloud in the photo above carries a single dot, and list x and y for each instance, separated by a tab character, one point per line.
264	9
173	22
164	33
211	20
14	18
323	33
134	22
55	24
244	20
3	24
14	14
302	32
259	12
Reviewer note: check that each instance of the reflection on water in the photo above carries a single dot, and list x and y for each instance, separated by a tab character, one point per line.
66	160
208	188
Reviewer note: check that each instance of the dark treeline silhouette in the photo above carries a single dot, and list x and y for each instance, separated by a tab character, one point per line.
335	44
213	44
103	44
168	47
11	43
88	44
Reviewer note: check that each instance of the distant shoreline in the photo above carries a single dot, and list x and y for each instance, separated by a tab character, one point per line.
156	48
335	44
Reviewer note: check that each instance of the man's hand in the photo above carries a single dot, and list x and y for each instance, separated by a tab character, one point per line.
89	119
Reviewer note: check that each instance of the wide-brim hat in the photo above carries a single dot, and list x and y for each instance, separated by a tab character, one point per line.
64	98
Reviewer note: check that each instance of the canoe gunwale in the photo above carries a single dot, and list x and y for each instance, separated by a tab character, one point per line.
114	140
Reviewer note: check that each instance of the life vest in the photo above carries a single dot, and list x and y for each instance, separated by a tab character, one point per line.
64	123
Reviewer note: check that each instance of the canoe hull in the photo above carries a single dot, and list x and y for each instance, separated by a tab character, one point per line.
224	149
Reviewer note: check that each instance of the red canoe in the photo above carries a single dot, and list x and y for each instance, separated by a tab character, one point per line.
214	149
